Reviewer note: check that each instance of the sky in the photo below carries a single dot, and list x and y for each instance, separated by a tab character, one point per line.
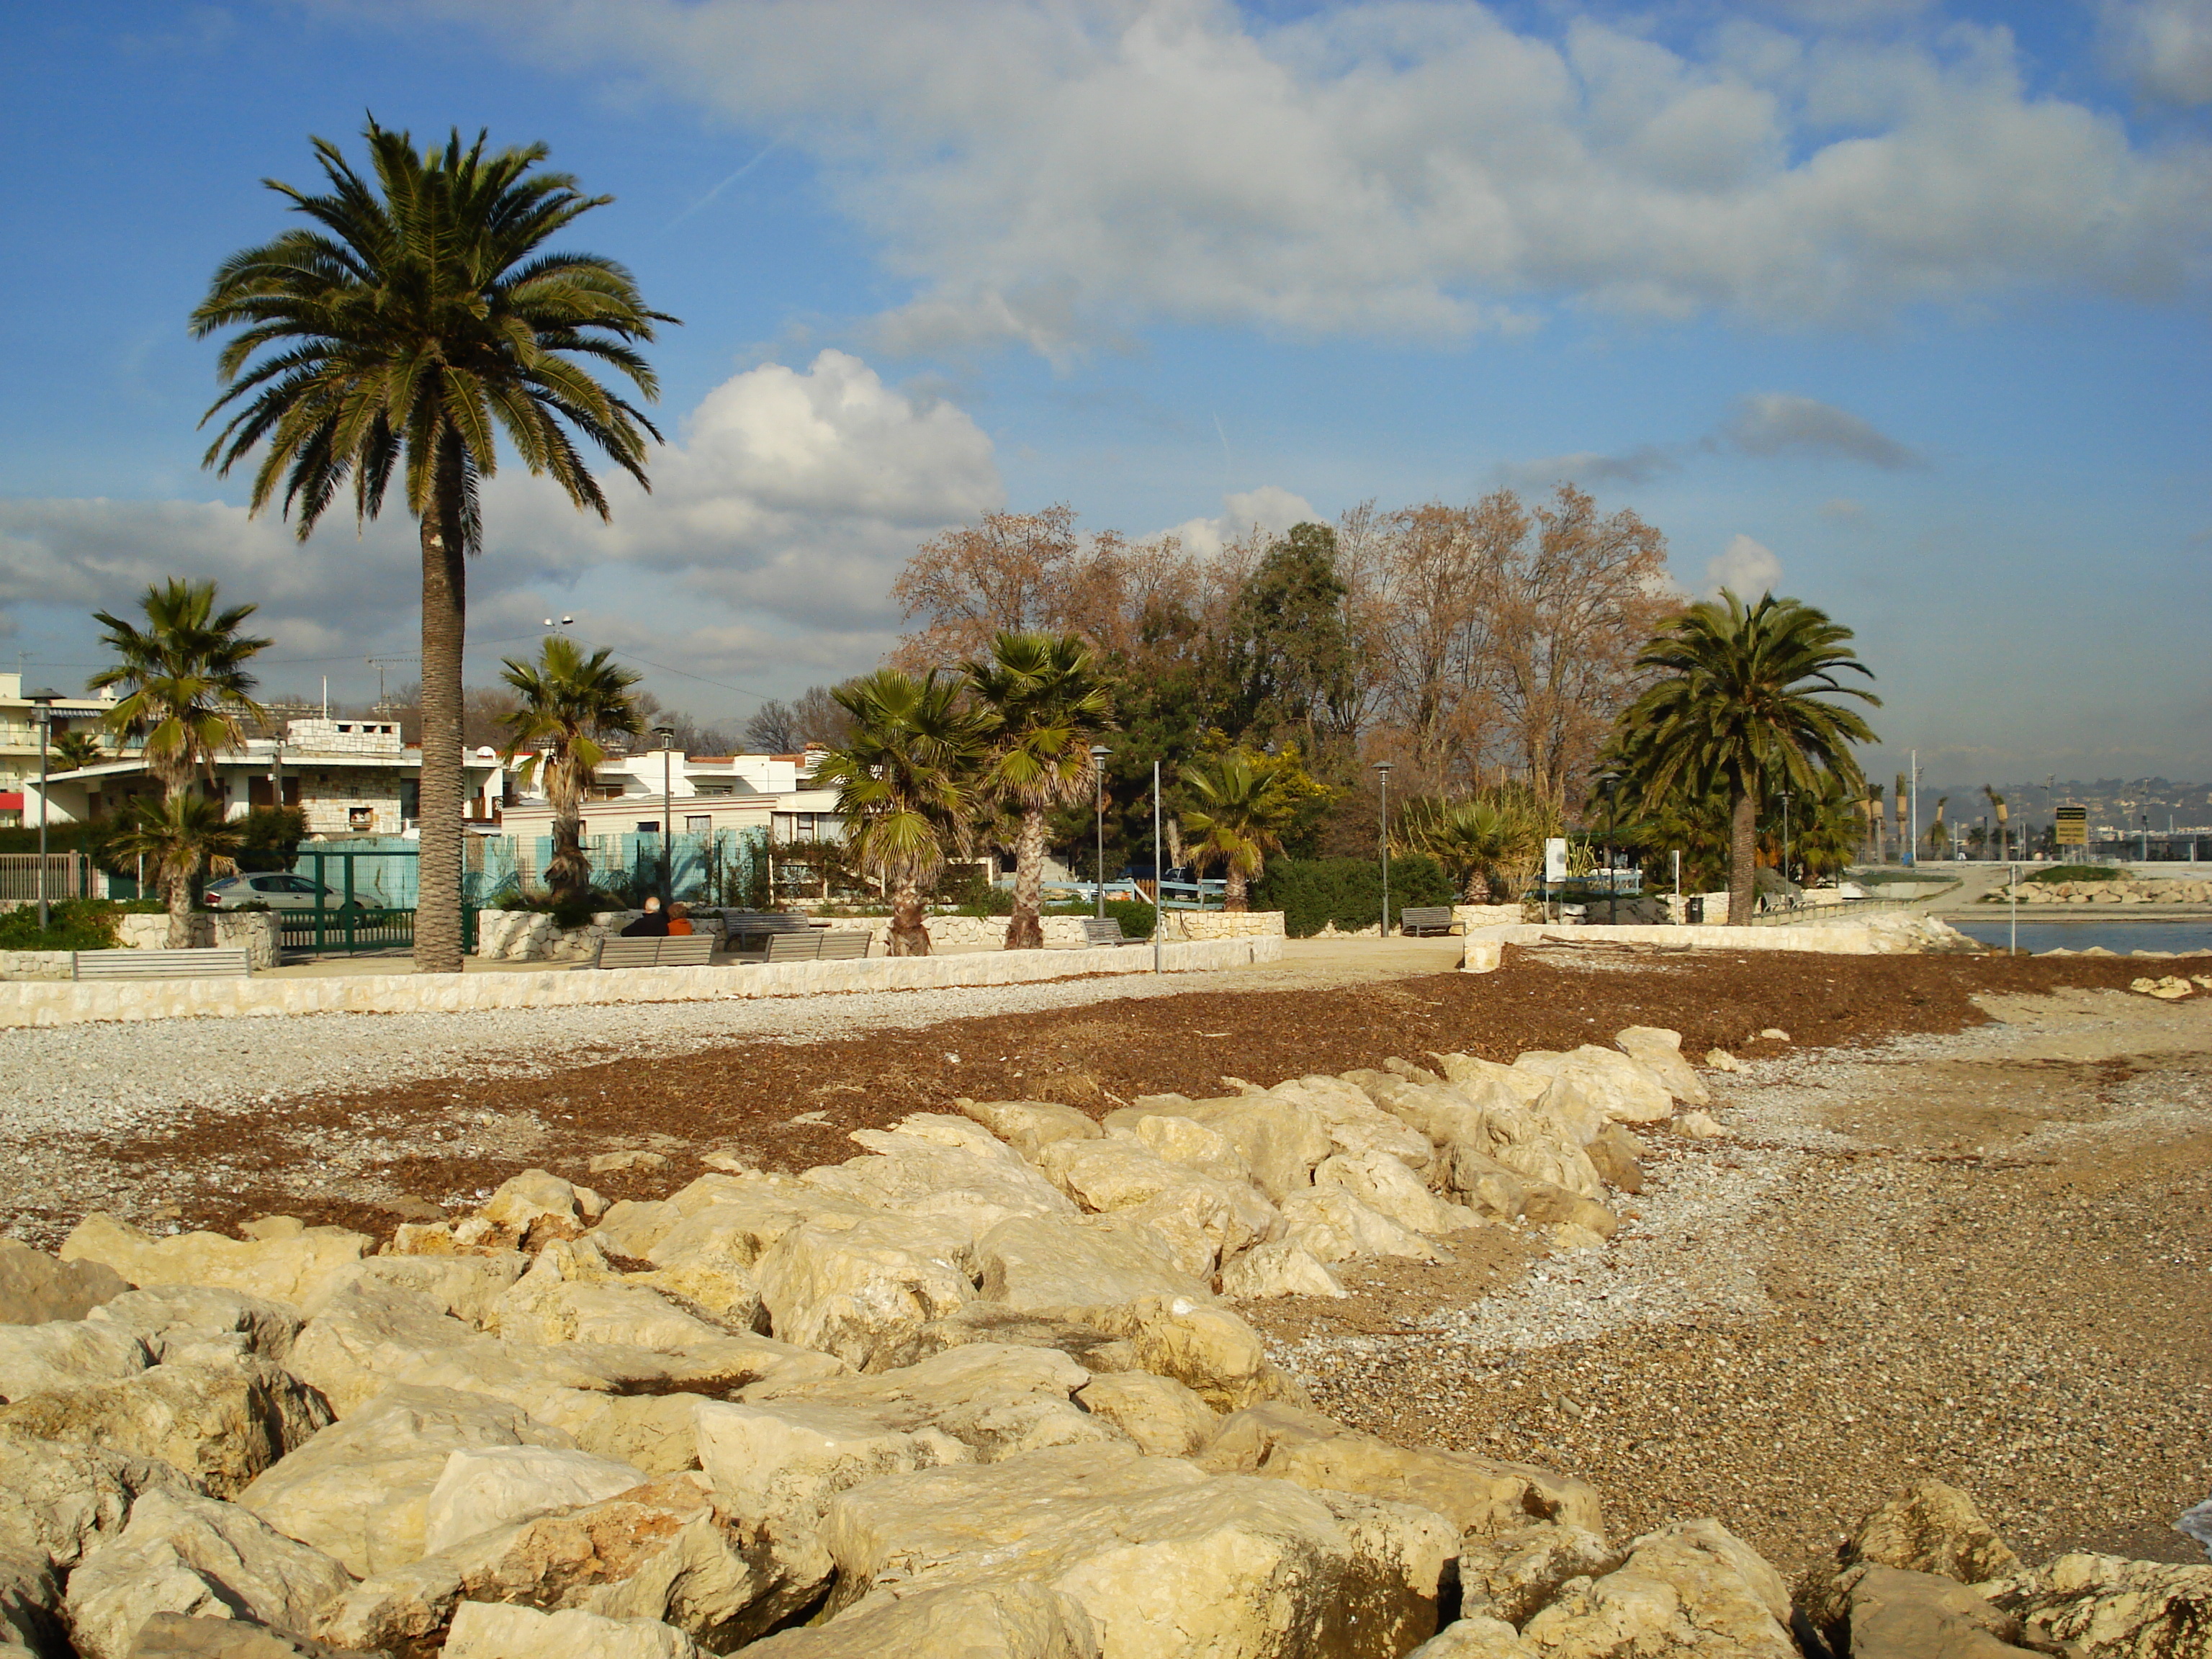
1897	307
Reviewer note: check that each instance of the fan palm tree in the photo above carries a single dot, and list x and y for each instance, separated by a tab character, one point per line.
419	316
1040	706
1244	804
1939	833
186	693
74	750
1489	843
179	836
2004	816
906	783
1736	712
571	704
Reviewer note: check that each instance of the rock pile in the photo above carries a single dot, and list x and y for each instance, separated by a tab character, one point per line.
2162	890
978	1391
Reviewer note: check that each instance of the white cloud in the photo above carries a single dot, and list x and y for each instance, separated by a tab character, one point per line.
1271	509
776	525
1052	173
2165	46
1587	467
1745	566
1781	424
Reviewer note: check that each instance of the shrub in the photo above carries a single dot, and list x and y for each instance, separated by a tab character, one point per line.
72	925
1311	893
2058	872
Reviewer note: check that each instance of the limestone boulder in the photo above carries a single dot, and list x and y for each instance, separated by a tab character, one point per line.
484	1630
186	1321
1618	1157
68	1354
1475	1077
536	1207
199	1557
1619	1088
1355	1123
1692	1587
1933	1528
1478	1635
1919	1615
1120	1174
1072	1269
1030	1125
2110	1608
286	1269
1493	1190
571	1295
59	1501
1482	1125
469	1287
668	1552
1279	1140
224	1423
998	1400
1480	1497
1659	1051
1210	1349
1331	1225
173	1636
630	1228
791	1456
1388	1187
1512	1573
1166	1561
485	1487
1280	1269
971	1621
935	1164
1094	1350
30	1605
1165	1417
862	1287
360	1490
1550	1206
37	1289
1184	1141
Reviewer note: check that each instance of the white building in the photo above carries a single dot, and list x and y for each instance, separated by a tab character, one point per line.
19	738
694	795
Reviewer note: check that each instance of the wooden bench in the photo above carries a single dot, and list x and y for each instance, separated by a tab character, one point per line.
1105	930
213	961
683	950
842	944
1425	920
749	931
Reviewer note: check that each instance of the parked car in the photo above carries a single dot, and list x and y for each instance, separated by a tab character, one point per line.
278	890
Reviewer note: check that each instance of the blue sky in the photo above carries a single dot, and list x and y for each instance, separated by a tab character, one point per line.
1901	305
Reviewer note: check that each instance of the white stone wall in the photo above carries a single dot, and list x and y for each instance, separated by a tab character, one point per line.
1487	915
32	1004
1221	924
34	964
254	929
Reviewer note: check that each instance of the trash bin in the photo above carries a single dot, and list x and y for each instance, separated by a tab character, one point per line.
1694	910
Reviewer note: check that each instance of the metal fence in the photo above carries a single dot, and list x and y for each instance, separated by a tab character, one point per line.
69	875
718	867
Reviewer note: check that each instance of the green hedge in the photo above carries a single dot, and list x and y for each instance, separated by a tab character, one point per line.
1311	893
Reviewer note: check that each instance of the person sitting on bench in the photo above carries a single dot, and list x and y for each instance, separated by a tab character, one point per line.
679	922
653	924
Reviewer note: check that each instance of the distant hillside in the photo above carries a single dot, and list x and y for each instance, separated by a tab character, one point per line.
2117	805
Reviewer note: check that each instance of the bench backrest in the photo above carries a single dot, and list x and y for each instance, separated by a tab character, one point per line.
794	947
843	944
1102	930
1425	915
213	961
764	921
686	951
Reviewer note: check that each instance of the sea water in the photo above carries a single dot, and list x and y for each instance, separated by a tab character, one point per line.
2182	938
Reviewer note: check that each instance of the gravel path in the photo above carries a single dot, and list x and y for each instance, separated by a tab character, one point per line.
1977	1257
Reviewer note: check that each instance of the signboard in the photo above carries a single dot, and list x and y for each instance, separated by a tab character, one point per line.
1555	859
2073	826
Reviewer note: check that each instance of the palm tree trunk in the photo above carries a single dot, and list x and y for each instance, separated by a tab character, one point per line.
1023	931
569	875
1743	859
177	891
909	933
1232	886
444	578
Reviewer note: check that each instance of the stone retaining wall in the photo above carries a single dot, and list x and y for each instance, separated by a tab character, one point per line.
43	1004
1222	923
256	930
35	964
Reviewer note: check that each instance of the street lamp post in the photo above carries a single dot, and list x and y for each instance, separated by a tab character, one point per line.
1098	753
1785	835
44	702
1159	876
667	736
1383	767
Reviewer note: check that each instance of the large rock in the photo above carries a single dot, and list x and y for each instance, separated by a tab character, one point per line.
1166	1561
1209	1349
1618	1087
1692	1587
1355	1124
1479	1496
1165	1417
571	1295
485	1487
998	1400
791	1456
1659	1051
1281	1269
1279	1140
1122	1175
1094	1350
667	1552
1920	1615
36	1288
1030	1125
469	1287
57	1501
1618	1157
939	1165
1072	1269
1182	1140
1387	1186
1332	1226
741	1218
2109	1608
288	1269
484	1630
174	1636
199	1557
1478	1635
30	1605
224	1423
1930	1527
536	1207
360	1490
960	1621
862	1287
189	1322
630	1228
76	1353
1478	1125
1510	1575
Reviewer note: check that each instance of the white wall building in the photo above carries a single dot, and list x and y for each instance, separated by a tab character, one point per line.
694	795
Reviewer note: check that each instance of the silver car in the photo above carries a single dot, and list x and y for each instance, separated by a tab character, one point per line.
275	889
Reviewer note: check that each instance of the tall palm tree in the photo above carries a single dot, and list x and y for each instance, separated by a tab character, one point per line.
2003	815
906	783
1244	804
1939	833
1490	842
179	836
1737	712
571	704
186	693
418	318
1041	705
74	750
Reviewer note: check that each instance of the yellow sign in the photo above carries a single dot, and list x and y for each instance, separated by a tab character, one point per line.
2073	826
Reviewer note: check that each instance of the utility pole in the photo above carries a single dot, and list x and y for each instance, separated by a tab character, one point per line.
1383	767
44	702
1159	876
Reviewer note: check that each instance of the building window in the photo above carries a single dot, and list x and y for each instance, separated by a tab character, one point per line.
698	826
649	826
361	818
